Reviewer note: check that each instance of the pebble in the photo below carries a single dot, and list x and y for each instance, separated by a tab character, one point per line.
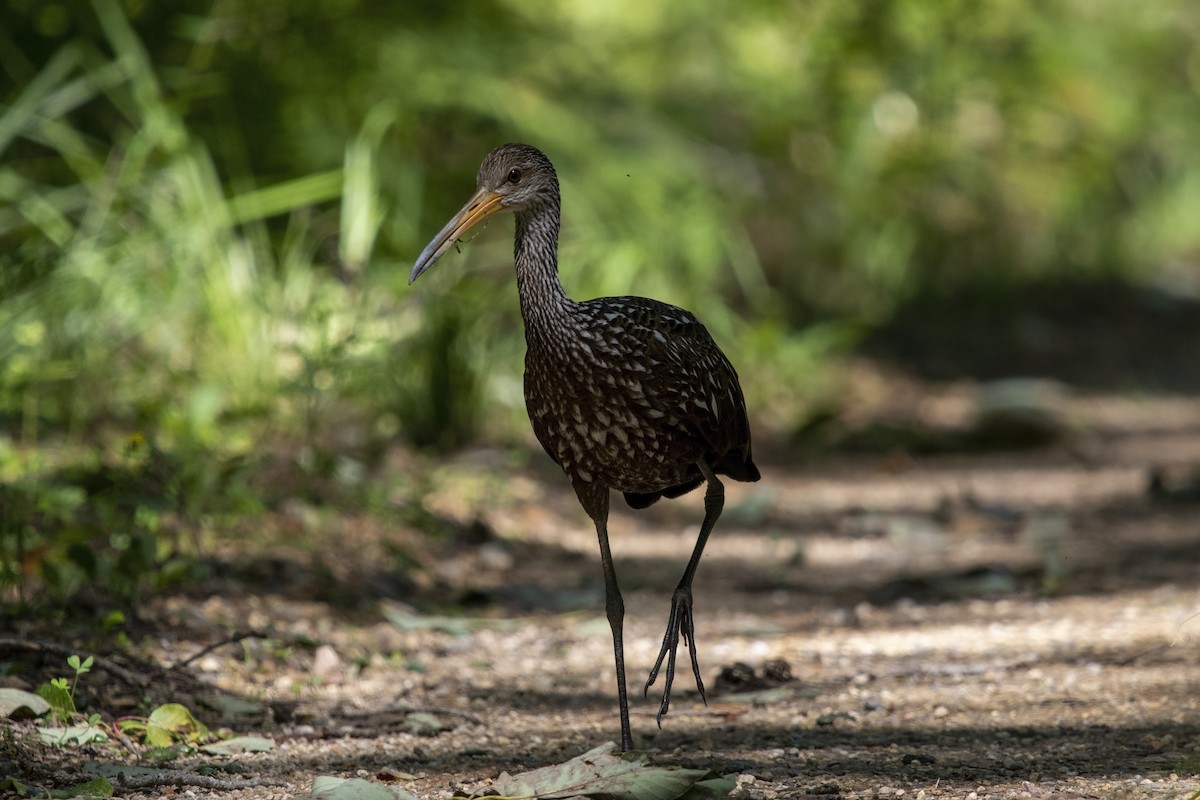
326	661
494	556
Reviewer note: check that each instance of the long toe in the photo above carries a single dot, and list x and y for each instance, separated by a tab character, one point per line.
679	625
689	640
670	644
668	682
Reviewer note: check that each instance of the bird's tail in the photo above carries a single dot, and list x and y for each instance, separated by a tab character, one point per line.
738	465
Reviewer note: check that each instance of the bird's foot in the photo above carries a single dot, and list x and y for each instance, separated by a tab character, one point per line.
679	625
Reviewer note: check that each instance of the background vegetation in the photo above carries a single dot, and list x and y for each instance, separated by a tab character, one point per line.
208	212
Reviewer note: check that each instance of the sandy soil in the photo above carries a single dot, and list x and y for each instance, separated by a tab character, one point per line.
958	626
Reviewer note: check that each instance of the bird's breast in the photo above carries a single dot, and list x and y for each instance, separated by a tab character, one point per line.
598	413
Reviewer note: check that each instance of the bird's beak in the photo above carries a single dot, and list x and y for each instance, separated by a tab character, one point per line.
482	205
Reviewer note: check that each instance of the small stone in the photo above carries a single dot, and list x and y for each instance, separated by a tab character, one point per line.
326	661
495	556
940	711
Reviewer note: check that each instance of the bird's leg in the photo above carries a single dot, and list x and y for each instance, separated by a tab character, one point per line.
680	622
595	502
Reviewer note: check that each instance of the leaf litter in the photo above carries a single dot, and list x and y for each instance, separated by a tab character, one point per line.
599	773
603	772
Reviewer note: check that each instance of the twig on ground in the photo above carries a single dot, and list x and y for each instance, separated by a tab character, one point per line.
402	708
167	778
235	638
129	677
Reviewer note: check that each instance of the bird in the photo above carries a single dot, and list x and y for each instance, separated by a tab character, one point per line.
625	394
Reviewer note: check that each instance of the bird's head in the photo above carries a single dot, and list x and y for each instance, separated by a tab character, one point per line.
513	177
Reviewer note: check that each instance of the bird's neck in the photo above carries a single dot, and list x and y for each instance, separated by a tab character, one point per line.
544	304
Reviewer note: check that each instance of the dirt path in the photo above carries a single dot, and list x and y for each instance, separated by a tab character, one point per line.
984	626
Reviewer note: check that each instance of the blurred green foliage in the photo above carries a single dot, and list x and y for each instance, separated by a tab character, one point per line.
208	211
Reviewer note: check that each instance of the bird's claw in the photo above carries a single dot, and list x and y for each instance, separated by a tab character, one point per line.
679	625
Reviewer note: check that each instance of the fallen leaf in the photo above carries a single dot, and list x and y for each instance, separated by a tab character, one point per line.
779	694
13	700
424	724
75	734
602	772
327	787
236	706
172	721
240	744
98	787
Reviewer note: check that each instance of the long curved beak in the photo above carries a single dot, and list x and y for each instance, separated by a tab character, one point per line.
482	205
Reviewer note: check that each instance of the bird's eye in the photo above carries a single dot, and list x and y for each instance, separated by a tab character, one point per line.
514	176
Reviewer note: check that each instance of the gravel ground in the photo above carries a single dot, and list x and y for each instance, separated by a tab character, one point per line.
959	626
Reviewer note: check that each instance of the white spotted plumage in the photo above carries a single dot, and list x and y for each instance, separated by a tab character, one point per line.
624	393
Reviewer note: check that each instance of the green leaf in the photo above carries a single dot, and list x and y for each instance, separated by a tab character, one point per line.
240	744
55	693
113	619
171	722
327	787
97	787
616	776
286	196
13	700
80	667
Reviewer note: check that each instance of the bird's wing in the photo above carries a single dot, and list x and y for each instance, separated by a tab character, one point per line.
686	373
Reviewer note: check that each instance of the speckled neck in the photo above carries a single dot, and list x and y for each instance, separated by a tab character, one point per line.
544	304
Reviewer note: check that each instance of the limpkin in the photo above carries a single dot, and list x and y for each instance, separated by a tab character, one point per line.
624	393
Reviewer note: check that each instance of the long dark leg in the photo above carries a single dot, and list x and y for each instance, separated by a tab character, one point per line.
595	502
680	622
